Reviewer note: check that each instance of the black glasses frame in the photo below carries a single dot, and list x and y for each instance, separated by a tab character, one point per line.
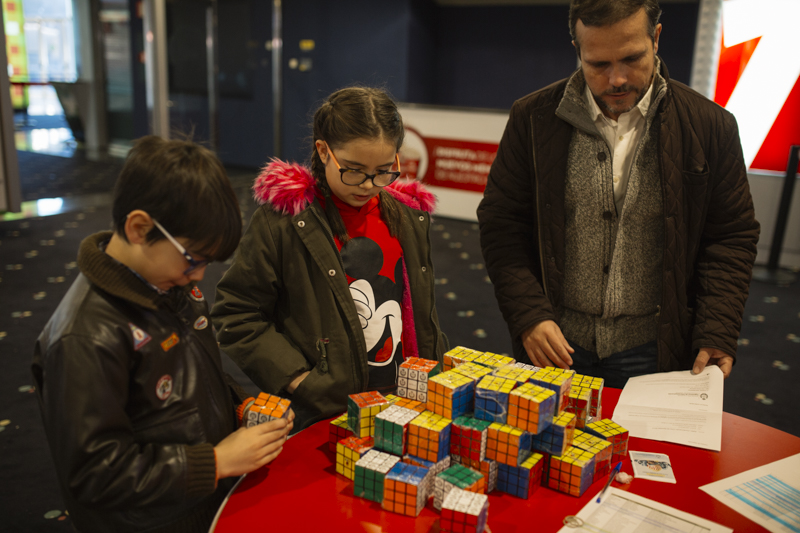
342	171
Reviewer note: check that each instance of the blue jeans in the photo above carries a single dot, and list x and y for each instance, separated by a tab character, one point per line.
616	368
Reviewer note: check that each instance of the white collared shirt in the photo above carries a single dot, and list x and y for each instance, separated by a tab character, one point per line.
622	136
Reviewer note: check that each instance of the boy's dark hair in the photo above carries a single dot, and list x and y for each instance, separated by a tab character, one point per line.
185	188
608	12
349	114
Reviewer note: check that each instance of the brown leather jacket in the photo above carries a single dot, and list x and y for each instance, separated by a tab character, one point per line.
710	228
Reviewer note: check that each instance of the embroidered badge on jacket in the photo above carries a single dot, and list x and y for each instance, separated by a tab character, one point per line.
164	387
196	295
201	323
170	341
140	336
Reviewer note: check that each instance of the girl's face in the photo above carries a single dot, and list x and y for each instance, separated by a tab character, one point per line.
365	155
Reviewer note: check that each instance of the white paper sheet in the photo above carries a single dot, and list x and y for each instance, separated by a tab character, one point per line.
674	407
768	495
623	512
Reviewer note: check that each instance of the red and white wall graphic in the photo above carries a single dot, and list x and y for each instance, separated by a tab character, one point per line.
758	77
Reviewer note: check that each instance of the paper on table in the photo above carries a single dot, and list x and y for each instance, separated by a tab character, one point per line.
768	495
624	512
674	407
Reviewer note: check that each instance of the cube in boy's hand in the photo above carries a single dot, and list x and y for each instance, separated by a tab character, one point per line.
265	408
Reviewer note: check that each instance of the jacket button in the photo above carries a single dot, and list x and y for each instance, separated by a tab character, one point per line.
331	272
421	218
302	224
607	215
601	156
424	269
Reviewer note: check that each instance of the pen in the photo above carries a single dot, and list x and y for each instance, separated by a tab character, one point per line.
610	478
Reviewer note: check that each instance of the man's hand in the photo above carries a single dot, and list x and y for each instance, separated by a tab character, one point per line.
712	356
546	345
247	449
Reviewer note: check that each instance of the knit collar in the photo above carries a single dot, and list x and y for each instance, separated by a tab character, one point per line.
115	278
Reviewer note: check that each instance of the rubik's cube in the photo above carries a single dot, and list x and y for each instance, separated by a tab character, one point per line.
558	382
413	376
571	473
525	366
458	356
406	489
348	451
518	374
595	386
558	437
464	512
429	436
507	444
414	405
601	449
614	433
361	411
473	370
493	360
434	467
337	431
491	398
523	480
457	476
578	403
451	394
531	407
391	429
487	468
265	408
468	438
370	473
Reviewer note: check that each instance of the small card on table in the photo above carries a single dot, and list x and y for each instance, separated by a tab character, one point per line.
655	466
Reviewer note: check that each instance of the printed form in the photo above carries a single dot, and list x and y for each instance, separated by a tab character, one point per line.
674	407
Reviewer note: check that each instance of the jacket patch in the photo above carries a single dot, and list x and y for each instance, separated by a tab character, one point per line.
201	323
140	336
171	341
196	295
164	387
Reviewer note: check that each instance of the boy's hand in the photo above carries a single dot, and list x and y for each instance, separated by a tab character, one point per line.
247	449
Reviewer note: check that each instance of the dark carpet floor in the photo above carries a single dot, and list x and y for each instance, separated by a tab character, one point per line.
37	266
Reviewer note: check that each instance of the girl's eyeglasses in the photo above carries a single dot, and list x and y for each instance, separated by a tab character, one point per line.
382	178
194	264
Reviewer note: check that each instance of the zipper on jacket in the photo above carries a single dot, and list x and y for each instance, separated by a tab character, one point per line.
322	348
538	214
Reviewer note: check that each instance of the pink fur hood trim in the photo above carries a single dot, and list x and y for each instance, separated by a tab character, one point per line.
289	188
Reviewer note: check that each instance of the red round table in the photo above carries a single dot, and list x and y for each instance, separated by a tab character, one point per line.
300	490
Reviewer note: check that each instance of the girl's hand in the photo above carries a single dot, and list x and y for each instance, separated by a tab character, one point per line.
247	449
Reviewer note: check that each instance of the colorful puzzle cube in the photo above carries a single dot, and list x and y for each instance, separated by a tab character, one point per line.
558	437
337	431
434	467
531	407
451	394
348	451
473	370
578	403
493	360
361	411
614	433
265	408
414	405
558	382
491	398
571	473
456	476
370	472
457	356
526	366
413	376
519	374
406	489
595	385
523	480
468	438
391	428
487	468
600	448
429	436
507	444
464	512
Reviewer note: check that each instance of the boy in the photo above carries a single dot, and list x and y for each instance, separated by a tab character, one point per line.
140	418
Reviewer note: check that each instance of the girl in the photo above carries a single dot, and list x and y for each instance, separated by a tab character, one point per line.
332	286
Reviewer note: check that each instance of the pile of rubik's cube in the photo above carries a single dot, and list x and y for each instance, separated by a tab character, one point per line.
485	423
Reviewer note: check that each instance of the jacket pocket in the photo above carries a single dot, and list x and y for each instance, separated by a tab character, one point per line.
183	427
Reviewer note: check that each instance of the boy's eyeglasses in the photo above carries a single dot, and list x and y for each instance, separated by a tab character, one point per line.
382	178
194	264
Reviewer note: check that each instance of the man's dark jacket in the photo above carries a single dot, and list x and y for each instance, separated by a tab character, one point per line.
710	227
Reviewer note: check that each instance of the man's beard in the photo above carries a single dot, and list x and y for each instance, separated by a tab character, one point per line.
633	89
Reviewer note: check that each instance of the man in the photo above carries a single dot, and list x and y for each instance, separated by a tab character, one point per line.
617	223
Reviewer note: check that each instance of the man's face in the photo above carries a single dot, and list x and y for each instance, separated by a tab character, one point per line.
618	62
